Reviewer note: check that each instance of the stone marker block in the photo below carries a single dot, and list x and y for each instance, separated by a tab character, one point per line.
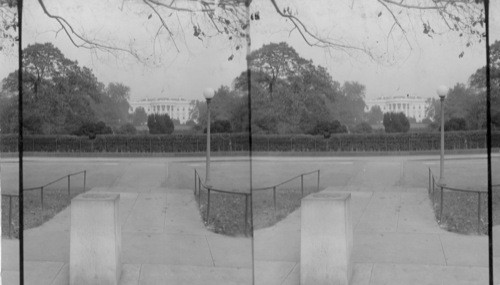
95	243
326	239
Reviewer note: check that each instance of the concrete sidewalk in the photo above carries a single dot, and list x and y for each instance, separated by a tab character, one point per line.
396	241
163	242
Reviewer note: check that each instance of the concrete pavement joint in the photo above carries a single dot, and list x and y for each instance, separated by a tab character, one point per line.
289	272
398	210
165	211
444	253
57	274
364	211
210	250
371	273
131	210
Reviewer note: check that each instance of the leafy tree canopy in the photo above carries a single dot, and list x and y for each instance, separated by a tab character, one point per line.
396	123
60	96
160	124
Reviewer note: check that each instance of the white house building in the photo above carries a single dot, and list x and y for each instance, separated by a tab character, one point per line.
176	108
411	106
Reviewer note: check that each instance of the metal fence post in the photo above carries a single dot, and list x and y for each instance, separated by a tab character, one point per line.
433	184
10	215
84	179
69	187
41	197
318	180
429	190
479	212
208	204
441	208
302	184
246	213
274	199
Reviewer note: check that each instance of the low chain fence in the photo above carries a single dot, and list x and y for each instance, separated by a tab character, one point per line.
459	210
229	211
240	142
35	204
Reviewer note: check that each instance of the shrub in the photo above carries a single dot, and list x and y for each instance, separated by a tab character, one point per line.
455	124
396	123
219	126
127	129
93	129
260	142
326	128
160	124
362	128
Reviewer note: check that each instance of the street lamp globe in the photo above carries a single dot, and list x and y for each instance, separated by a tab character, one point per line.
208	93
442	91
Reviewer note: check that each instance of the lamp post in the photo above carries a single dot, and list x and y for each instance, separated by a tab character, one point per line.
208	93
442	91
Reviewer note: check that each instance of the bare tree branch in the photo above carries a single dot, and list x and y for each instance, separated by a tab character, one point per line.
320	42
396	21
88	44
162	23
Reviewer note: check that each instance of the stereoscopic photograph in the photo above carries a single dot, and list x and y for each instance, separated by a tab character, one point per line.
249	142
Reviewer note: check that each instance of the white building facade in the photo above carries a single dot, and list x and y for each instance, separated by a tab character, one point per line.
176	108
411	106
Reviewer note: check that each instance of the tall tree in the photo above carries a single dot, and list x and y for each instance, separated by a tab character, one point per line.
396	123
477	82
160	124
375	115
112	106
139	117
57	92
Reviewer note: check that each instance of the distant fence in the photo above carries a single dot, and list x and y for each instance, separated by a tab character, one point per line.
41	188
476	199
199	186
235	142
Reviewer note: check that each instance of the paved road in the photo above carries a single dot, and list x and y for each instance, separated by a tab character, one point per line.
361	172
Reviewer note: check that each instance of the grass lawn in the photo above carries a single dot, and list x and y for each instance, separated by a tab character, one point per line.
460	209
227	211
55	199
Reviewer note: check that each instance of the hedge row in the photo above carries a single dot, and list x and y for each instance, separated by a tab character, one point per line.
241	142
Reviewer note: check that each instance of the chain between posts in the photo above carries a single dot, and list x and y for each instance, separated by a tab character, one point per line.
432	185
199	185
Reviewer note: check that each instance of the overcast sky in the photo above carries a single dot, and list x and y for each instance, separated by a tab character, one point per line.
199	64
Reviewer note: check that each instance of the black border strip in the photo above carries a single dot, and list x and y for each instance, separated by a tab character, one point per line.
20	140
488	145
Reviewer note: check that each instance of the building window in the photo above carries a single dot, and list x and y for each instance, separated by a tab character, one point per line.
163	107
